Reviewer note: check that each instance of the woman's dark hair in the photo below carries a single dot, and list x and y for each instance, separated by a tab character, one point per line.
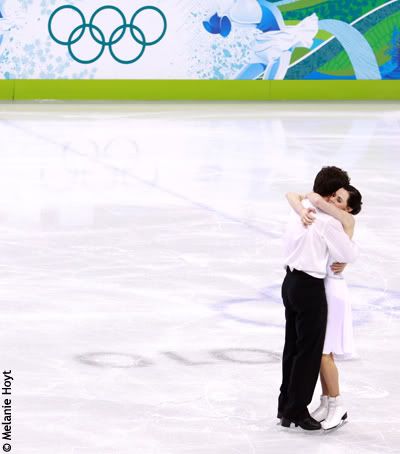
354	201
329	179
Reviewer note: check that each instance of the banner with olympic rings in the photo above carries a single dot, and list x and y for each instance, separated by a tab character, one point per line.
199	39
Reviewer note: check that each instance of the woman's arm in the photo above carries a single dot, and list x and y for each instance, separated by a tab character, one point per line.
346	219
294	200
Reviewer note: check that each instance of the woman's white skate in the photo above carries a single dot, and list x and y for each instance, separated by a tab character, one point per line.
337	415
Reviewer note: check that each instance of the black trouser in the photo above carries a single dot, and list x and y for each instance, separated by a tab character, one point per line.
306	313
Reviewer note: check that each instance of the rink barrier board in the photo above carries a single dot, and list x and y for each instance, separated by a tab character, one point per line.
195	90
7	89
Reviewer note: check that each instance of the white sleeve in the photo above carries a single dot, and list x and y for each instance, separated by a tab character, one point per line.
340	246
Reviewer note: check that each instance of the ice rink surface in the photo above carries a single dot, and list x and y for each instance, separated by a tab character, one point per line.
141	269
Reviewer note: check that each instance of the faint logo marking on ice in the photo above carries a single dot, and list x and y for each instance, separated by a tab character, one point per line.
257	355
110	359
248	356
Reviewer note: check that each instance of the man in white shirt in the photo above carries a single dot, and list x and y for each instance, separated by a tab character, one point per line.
307	250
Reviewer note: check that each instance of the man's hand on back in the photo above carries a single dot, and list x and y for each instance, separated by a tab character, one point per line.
307	217
338	267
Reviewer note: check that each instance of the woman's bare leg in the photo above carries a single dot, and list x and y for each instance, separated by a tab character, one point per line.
321	413
323	383
337	412
330	375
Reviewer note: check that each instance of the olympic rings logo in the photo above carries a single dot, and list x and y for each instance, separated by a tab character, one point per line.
116	36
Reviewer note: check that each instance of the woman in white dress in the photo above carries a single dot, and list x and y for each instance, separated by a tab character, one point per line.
342	205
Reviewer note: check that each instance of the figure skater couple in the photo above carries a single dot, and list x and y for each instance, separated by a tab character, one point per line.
317	246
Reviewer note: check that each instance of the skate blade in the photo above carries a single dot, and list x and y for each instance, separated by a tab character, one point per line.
297	429
334	429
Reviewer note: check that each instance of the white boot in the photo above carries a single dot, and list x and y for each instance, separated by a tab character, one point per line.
337	413
322	411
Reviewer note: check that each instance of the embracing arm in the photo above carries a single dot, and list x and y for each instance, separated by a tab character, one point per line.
345	218
295	200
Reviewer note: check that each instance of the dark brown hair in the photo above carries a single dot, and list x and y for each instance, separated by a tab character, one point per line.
329	179
354	201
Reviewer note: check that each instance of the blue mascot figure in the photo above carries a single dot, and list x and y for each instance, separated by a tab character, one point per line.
274	41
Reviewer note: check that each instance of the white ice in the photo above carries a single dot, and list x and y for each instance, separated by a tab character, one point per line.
141	269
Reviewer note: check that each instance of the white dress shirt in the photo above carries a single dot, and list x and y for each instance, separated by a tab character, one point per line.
309	248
